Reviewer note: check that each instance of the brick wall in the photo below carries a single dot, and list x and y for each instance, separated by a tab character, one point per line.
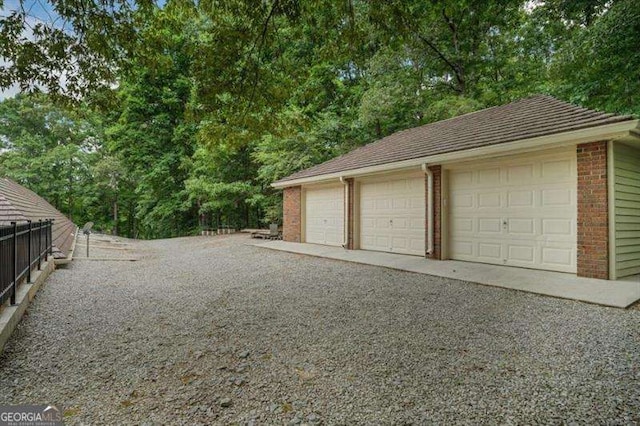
437	204
593	212
291	209
350	219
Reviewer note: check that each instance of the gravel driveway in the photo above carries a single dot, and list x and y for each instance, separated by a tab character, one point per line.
208	330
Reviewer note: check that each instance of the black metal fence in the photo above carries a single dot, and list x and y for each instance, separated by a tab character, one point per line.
23	247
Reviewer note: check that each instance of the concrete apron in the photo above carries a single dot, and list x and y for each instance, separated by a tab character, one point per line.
11	315
619	294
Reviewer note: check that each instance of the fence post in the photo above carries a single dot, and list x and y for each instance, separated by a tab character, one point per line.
15	262
46	240
51	237
39	243
29	256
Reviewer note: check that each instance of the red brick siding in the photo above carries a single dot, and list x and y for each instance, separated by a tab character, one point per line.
292	212
350	211
437	212
593	212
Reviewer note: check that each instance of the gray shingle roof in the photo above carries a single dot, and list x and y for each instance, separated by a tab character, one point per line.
539	115
19	204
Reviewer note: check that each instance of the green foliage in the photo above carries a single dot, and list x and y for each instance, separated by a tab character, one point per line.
196	108
153	138
51	150
80	47
600	66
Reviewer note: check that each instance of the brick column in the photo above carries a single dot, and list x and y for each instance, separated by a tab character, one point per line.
593	211
350	221
437	211
292	211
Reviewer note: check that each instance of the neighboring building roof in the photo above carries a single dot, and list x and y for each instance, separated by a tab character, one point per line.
8	213
536	116
18	204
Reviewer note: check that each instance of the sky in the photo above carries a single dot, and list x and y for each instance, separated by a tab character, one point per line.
37	10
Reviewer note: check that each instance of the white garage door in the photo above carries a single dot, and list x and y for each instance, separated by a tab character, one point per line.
392	216
518	212
324	217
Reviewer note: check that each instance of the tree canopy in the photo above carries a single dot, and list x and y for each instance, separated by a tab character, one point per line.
155	120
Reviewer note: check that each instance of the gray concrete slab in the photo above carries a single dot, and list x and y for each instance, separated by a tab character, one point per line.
620	294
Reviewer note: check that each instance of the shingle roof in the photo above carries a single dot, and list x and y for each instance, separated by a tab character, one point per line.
18	204
539	115
8	213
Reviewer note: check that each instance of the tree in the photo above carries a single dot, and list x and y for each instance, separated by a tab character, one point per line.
152	137
50	150
111	187
205	104
599	66
69	48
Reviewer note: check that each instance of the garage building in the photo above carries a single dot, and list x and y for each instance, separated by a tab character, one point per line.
538	183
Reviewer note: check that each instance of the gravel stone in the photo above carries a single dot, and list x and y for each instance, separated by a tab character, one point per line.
159	341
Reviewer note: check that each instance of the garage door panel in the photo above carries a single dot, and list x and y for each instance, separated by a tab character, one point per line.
490	250
490	225
367	240
400	243
489	200
400	203
382	204
333	238
416	223
459	178
398	185
335	222
417	203
489	176
557	256
557	227
392	215
417	245
555	170
520	174
380	241
519	199
521	252
461	201
462	249
367	223
401	224
324	215
382	222
367	204
461	226
527	218
557	197
521	226
315	237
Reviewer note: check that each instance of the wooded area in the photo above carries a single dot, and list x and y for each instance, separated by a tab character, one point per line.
156	120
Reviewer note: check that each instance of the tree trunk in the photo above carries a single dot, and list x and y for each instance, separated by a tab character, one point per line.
132	218
115	216
202	219
247	214
70	199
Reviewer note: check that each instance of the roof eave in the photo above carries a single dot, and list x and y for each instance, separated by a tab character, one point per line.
590	134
